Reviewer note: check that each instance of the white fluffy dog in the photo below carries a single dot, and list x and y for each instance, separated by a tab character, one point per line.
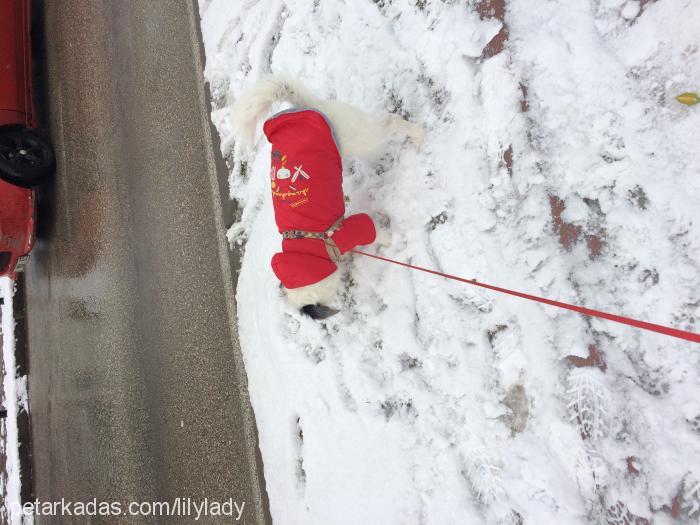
355	132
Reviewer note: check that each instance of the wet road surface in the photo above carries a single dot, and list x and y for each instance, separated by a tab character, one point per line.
136	382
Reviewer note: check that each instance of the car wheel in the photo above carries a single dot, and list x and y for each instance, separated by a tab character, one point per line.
26	157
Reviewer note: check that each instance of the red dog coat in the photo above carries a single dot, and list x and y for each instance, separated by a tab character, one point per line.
307	195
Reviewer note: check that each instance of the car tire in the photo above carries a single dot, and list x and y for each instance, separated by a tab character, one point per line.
26	157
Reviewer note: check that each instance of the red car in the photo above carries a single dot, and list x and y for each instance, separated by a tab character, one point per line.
26	157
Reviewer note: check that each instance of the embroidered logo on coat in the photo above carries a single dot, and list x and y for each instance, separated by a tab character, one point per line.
282	173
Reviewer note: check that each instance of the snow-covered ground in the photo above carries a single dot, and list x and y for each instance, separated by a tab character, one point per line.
560	166
14	399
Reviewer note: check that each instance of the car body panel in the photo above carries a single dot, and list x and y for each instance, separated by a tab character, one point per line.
17	206
8	118
15	63
17	223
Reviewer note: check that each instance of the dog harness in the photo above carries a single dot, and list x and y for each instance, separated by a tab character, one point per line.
306	179
327	238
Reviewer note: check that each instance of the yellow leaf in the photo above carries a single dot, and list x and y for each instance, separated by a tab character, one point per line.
689	99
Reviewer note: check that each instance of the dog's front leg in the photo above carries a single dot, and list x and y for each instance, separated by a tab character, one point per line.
383	237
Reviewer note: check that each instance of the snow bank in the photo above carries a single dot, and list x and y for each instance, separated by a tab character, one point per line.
560	166
15	395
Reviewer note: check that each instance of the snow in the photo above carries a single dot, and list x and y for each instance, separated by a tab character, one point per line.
15	395
429	401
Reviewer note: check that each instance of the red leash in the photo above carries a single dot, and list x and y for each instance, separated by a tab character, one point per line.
673	332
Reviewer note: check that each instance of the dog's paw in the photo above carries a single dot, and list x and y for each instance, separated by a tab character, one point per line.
418	135
383	238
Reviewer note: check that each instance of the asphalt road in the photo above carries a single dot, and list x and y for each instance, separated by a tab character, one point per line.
137	387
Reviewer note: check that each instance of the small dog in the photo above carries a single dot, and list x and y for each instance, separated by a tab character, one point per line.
308	142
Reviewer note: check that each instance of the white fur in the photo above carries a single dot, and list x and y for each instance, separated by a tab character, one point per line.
322	292
358	134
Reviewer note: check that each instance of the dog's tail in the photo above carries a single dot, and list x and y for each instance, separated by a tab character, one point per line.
250	106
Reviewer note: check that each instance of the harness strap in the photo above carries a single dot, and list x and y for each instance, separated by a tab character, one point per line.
301	234
332	249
